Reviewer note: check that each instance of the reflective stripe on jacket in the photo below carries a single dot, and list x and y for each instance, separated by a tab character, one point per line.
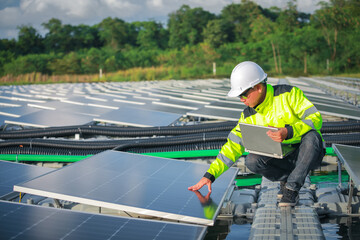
283	106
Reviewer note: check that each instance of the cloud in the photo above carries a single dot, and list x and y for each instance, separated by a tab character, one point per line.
36	12
307	6
14	13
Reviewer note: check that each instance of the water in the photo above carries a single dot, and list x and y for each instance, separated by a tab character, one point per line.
333	228
341	228
346	228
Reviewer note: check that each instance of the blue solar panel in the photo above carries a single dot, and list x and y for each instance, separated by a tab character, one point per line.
14	173
215	113
138	117
50	118
19	221
136	183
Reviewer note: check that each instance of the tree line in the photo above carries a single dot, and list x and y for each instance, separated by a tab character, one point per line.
283	41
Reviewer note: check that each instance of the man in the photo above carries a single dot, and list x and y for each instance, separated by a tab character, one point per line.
284	107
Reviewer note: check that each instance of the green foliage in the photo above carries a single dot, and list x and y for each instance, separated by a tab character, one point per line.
114	32
239	17
69	64
29	63
186	26
66	38
216	33
29	41
282	41
151	35
92	60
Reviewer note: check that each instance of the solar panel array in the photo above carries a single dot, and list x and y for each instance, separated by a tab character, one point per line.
166	101
122	181
135	183
326	104
20	221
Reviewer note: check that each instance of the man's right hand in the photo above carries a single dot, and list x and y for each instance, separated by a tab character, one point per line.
203	181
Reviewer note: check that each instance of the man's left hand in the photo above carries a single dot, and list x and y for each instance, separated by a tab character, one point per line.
279	135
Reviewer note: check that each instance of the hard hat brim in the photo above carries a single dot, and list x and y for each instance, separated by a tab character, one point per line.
235	92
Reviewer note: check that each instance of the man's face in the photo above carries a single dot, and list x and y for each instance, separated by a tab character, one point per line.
252	97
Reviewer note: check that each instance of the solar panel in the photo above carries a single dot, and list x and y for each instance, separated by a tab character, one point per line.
17	111
136	183
339	112
50	118
9	102
138	118
330	102
166	109
83	100
14	173
214	113
74	108
227	105
181	103
349	157
20	221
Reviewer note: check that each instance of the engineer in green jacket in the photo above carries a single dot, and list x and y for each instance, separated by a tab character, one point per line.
284	107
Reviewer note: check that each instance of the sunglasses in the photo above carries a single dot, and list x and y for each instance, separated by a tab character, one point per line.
244	95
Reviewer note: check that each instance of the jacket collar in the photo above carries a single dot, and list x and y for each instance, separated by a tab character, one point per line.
267	101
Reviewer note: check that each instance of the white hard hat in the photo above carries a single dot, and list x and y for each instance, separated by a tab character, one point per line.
244	76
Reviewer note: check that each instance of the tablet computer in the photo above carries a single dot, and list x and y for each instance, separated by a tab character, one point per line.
256	141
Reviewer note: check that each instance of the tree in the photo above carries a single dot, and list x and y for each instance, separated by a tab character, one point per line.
304	43
186	26
239	17
29	40
8	51
288	19
54	39
68	64
334	19
84	37
67	38
215	32
150	35
261	27
29	64
92	61
115	33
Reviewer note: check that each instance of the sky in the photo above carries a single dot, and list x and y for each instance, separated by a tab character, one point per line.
14	13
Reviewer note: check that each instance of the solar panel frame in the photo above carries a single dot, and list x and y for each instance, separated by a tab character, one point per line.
145	185
349	157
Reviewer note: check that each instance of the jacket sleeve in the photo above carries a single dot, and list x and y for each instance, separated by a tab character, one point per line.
229	153
308	117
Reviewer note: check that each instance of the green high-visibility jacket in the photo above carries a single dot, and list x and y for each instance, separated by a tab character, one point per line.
283	106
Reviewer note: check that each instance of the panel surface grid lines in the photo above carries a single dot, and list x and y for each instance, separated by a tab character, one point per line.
136	183
14	173
20	221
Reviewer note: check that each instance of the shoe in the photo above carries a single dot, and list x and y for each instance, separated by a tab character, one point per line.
282	188
290	198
